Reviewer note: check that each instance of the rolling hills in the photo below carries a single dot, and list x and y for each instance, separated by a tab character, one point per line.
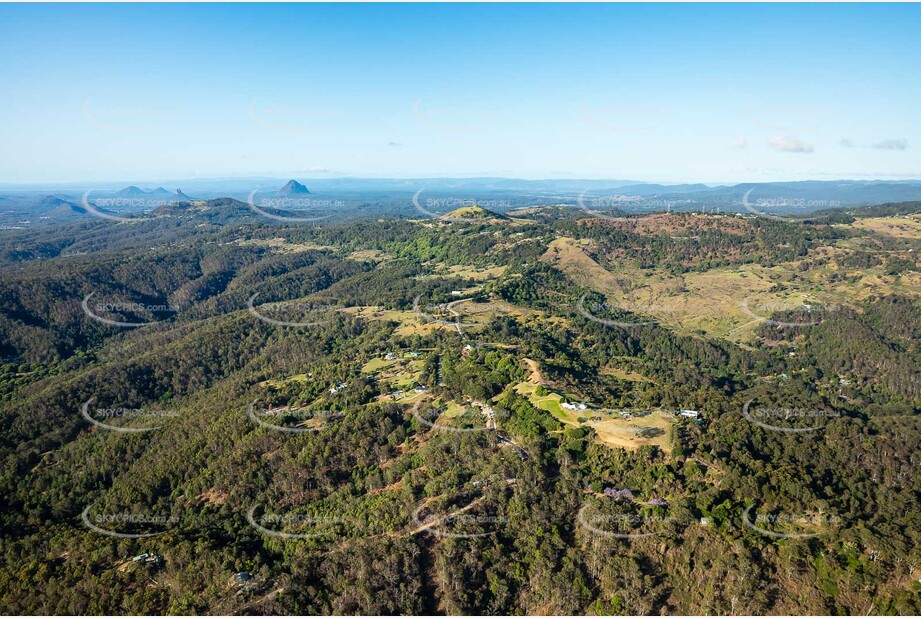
478	414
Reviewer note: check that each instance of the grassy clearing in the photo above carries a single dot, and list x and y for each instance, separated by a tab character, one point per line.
280	244
277	382
376	364
625	374
410	322
454	409
614	430
610	427
471	314
474	272
714	301
369	255
402	373
710	301
898	227
549	402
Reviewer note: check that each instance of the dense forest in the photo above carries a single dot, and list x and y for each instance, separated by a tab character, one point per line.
209	412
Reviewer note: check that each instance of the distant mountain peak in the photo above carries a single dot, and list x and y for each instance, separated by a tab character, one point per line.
182	195
67	208
293	187
53	200
131	190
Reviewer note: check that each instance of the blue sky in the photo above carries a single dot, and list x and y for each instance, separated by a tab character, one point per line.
710	93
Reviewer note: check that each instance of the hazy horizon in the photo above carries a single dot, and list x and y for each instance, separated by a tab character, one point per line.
174	183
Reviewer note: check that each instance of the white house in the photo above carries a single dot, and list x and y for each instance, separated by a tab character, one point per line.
689	413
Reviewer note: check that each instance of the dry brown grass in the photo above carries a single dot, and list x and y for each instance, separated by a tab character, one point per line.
713	301
281	244
620	432
675	224
370	255
897	227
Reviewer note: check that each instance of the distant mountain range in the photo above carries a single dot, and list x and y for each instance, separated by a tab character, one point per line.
846	192
133	191
357	197
243	185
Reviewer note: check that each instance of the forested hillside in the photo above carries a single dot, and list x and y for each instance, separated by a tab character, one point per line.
208	411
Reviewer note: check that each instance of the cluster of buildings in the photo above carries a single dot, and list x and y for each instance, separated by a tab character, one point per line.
625	414
399	393
389	356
